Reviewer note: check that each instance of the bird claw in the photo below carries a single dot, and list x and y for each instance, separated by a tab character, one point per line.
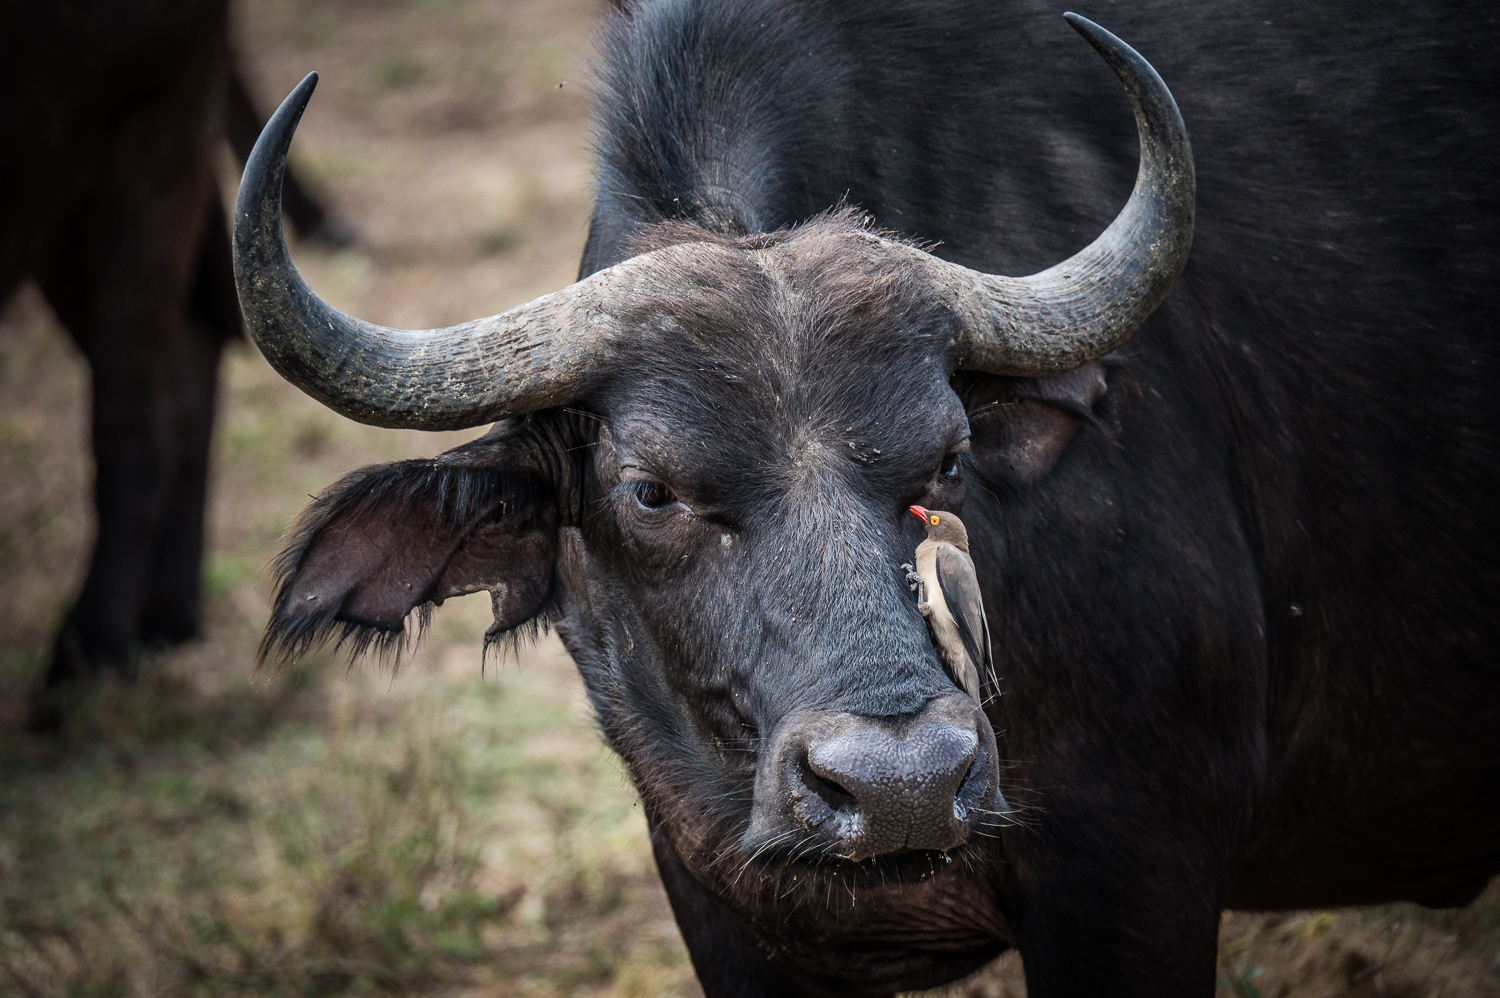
919	587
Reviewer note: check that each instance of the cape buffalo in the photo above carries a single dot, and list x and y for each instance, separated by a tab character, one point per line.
111	119
1240	568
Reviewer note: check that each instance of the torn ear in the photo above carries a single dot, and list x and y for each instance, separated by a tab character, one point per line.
392	538
1020	426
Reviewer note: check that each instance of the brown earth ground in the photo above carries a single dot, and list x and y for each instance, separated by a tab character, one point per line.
449	830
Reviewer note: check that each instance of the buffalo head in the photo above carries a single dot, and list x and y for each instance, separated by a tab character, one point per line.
701	475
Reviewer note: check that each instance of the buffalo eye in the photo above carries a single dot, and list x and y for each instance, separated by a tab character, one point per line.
653	495
949	467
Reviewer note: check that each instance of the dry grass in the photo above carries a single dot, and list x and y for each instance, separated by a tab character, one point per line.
211	831
325	834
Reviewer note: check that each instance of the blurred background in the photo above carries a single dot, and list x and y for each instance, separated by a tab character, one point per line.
455	827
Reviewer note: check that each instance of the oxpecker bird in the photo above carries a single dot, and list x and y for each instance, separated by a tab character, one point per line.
948	596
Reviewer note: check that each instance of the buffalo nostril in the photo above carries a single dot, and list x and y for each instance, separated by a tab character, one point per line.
973	785
830	791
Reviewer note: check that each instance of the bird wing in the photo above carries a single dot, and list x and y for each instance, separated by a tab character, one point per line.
955	573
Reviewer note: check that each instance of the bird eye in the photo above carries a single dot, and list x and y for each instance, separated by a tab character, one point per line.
950	466
653	495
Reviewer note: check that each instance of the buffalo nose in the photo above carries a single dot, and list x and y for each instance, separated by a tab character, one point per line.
856	786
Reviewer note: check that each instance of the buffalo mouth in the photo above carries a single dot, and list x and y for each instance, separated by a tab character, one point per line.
775	880
841	789
903	866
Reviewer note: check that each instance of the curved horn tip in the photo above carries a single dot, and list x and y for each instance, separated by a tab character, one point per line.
1089	29
1142	81
260	184
1108	44
289	113
303	90
276	136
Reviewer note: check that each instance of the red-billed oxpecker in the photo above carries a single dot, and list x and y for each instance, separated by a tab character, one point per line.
948	596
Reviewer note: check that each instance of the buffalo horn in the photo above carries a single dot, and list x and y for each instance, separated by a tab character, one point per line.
1086	306
541	354
531	357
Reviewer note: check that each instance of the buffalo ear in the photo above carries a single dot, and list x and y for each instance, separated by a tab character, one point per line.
389	539
1019	427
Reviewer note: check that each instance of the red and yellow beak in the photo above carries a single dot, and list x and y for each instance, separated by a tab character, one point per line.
920	512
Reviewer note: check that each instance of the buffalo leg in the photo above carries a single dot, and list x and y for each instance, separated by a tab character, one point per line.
120	276
135	457
170	613
728	960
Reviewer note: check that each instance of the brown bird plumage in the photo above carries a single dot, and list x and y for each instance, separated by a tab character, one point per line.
949	597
